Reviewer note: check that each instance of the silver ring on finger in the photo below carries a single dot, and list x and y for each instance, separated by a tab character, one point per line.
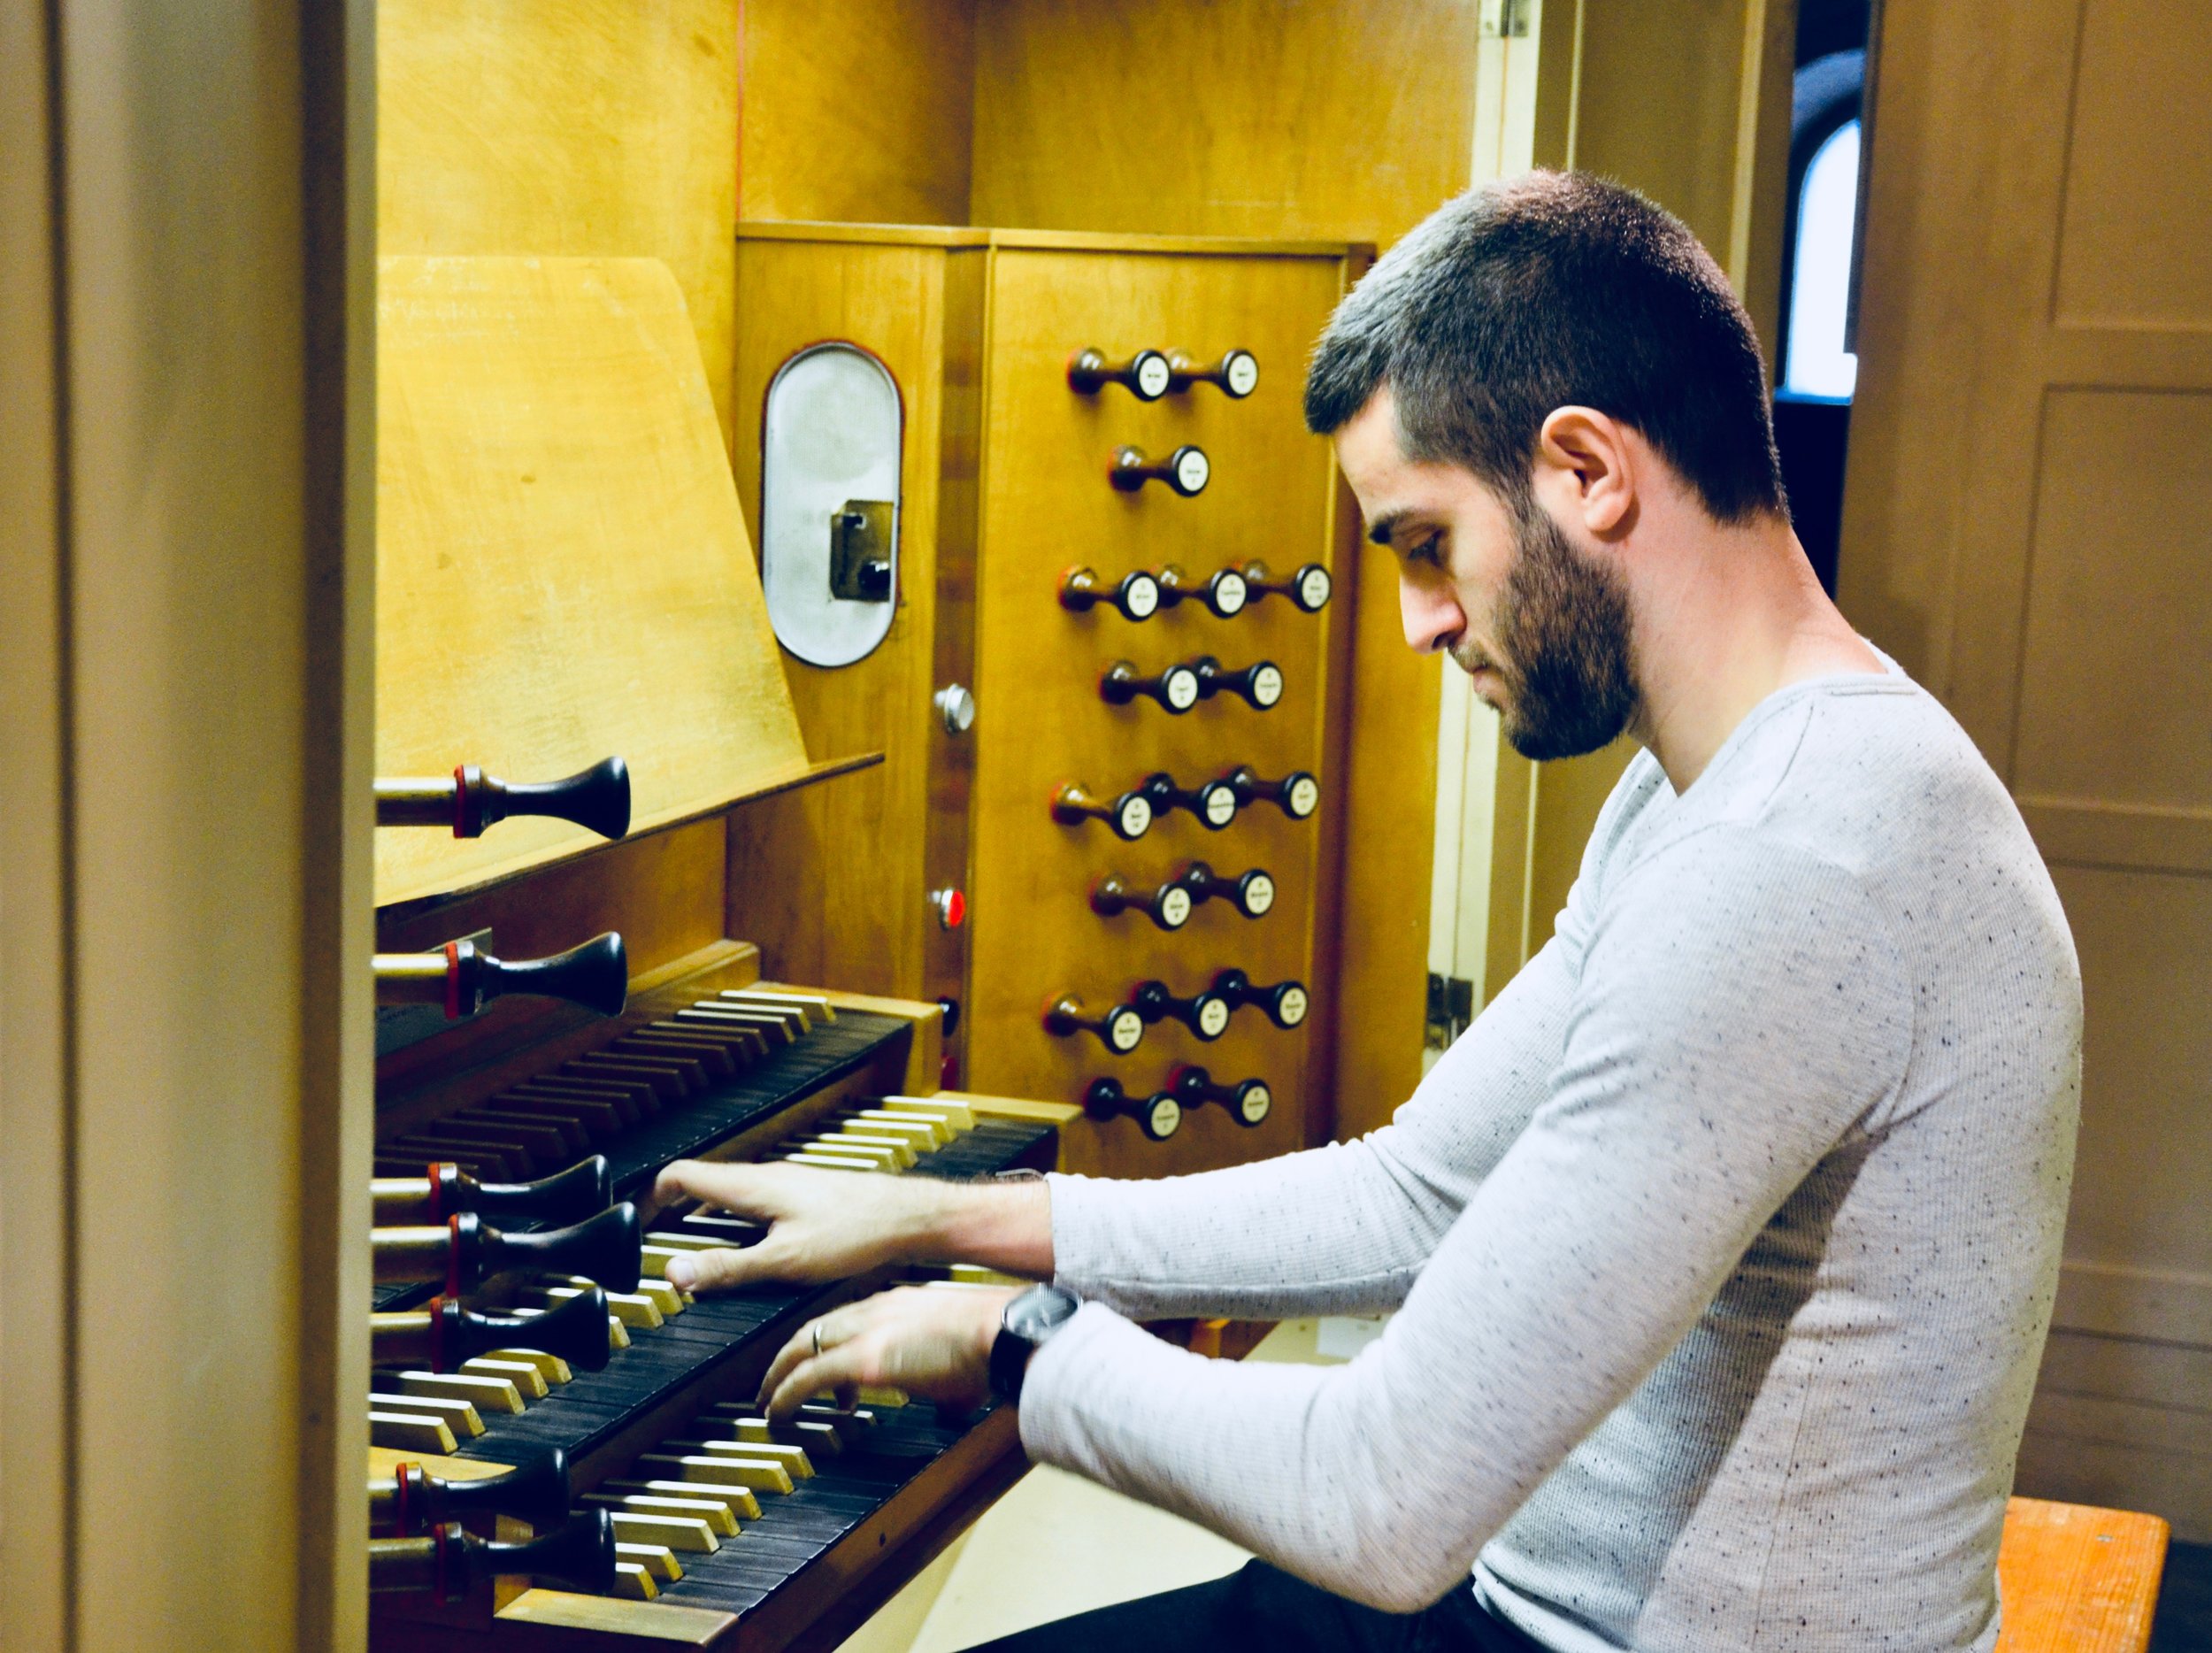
818	1340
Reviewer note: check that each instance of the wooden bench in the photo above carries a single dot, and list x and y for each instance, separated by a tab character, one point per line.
2077	1579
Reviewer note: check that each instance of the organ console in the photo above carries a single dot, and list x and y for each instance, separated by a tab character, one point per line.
1308	588
582	1555
1186	471
410	1500
1285	1003
1130	815
1298	794
1147	375
1120	1028
1236	375
597	798
1251	893
1248	1101
445	1190
1205	1013
464	977
464	1249
1159	1116
1222	592
1259	685
1214	802
445	1337
1177	687
1137	594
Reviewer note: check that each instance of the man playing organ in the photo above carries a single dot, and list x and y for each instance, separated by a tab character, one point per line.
1722	1247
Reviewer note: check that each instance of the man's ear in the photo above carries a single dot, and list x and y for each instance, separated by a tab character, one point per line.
1589	464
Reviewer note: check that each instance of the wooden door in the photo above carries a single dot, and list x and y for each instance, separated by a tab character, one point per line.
2028	527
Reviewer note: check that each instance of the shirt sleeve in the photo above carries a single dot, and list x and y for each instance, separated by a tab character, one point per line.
1341	1229
1739	1009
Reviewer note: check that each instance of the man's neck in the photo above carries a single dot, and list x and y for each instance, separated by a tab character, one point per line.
1733	615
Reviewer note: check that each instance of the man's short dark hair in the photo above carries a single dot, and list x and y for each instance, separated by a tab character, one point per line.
1552	290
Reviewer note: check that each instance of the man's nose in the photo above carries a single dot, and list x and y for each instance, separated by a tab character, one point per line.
1431	614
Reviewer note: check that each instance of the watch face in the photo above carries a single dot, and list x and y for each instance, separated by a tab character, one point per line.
1244	373
1220	803
1175	908
1229	594
1267	685
1305	796
1152	376
1290	1010
1181	689
1136	817
1314	587
1213	1017
1192	470
1034	1314
1259	894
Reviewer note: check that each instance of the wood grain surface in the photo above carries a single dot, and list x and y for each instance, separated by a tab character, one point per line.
2077	1579
563	573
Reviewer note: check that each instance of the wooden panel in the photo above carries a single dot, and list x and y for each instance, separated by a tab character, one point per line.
2116	649
856	110
562	570
2076	1579
1251	119
1047	506
200	795
567	126
2129	254
859	915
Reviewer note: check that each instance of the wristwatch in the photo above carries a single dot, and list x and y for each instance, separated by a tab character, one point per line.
1029	1320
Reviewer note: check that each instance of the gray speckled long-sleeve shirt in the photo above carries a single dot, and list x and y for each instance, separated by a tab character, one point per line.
1723	1245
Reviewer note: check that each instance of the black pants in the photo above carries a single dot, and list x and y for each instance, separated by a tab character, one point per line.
1266	1609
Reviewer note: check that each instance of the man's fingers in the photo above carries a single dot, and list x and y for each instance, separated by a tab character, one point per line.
789	1359
845	1366
731	1188
724	1267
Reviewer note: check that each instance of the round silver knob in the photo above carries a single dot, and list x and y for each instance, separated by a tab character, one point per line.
957	706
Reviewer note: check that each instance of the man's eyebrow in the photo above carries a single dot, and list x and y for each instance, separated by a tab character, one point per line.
1384	529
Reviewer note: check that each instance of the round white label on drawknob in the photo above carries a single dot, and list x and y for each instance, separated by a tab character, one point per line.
1136	817
1152	376
1305	795
1314	587
1142	598
1213	1017
1175	908
1229	594
1291	1008
1124	1029
1181	688
1244	374
1254	1104
1192	470
1259	895
1221	805
1166	1113
1267	685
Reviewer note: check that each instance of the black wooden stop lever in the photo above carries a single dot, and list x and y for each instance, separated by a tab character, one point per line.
446	1190
1158	1115
1251	893
580	1555
1248	1101
444	1335
1205	1013
1259	685
464	977
1167	906
1212	802
597	798
465	1251
1286	1003
1298	794
411	1501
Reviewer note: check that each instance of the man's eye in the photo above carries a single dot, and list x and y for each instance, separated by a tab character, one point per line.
1429	550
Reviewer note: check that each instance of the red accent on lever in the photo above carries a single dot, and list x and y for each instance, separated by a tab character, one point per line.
460	800
453	982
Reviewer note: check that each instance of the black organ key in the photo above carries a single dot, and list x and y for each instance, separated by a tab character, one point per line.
1222	592
1186	471
1158	1115
1236	374
1136	595
1177	688
1259	685
1169	905
1248	1101
1251	893
1309	586
1120	1028
1205	1013
1147	375
1130	815
1298	794
1214	802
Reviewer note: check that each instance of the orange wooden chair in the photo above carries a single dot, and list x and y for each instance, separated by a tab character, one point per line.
2078	1580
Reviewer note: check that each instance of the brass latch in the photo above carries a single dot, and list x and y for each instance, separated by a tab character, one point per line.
860	552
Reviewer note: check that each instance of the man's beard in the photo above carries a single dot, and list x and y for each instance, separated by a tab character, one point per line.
1563	627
